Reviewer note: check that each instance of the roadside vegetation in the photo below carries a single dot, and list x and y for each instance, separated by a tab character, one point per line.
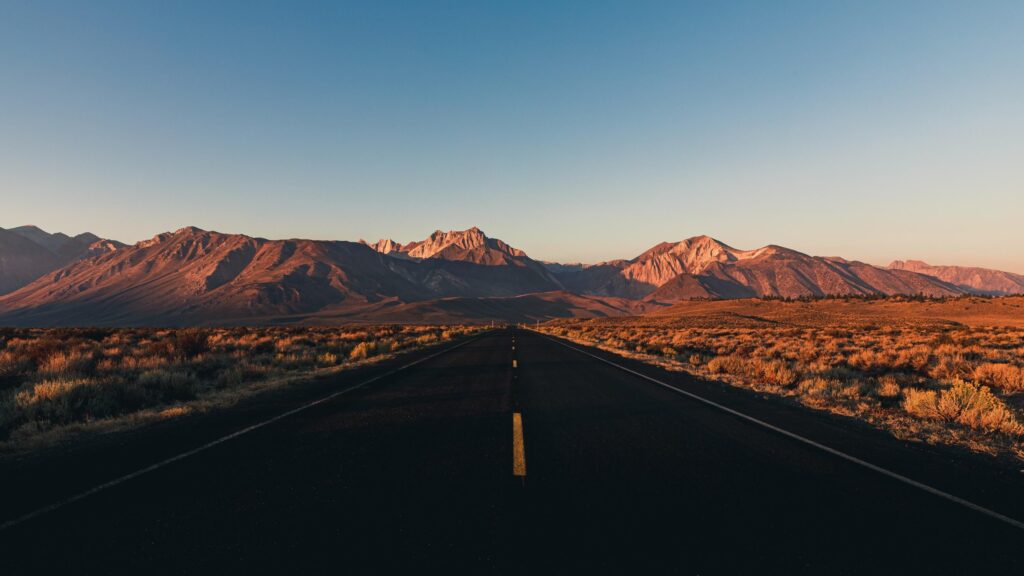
899	364
55	382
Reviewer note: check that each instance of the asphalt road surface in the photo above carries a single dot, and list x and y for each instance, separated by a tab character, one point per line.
512	453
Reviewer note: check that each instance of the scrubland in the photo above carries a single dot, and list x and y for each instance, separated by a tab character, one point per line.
941	371
60	381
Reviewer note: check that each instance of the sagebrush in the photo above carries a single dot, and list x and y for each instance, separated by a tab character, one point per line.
936	381
53	378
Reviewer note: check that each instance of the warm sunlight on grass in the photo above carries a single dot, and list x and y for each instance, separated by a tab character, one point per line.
56	378
948	371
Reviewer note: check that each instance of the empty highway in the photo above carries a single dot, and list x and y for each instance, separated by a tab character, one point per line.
510	453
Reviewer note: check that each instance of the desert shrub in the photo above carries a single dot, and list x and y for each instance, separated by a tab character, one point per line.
37	351
58	400
914	359
867	360
144	362
208	366
921	403
841	373
426	339
727	365
614	343
191	343
230	378
964	403
64	399
162	349
952	368
291	361
61	401
1001	376
327	359
362	350
264	345
819	388
888	387
66	362
777	372
158	386
976	407
11	369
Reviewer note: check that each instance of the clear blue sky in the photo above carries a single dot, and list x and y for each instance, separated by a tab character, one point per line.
578	131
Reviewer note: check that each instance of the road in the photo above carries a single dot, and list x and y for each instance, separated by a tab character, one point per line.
419	471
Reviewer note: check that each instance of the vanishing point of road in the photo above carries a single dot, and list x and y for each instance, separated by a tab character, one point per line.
511	452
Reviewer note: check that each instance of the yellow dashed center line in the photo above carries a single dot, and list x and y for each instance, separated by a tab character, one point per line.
518	446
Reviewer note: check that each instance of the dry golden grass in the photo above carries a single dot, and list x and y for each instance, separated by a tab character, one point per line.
945	371
850	312
55	381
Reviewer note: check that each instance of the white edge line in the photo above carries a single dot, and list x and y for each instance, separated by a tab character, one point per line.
99	488
935	491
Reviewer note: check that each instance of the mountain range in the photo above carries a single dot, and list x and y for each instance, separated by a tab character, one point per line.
27	252
970	279
195	276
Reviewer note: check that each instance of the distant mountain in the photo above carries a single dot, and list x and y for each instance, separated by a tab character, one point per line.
22	261
975	280
460	245
27	252
194	276
68	248
702	267
386	246
52	242
469	263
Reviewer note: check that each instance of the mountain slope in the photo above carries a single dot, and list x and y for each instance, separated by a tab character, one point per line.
702	267
195	276
466	246
27	252
68	248
22	261
978	280
469	263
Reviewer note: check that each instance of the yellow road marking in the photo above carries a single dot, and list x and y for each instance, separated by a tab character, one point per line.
515	364
518	446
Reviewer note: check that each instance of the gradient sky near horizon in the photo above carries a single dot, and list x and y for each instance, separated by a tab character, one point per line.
577	131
